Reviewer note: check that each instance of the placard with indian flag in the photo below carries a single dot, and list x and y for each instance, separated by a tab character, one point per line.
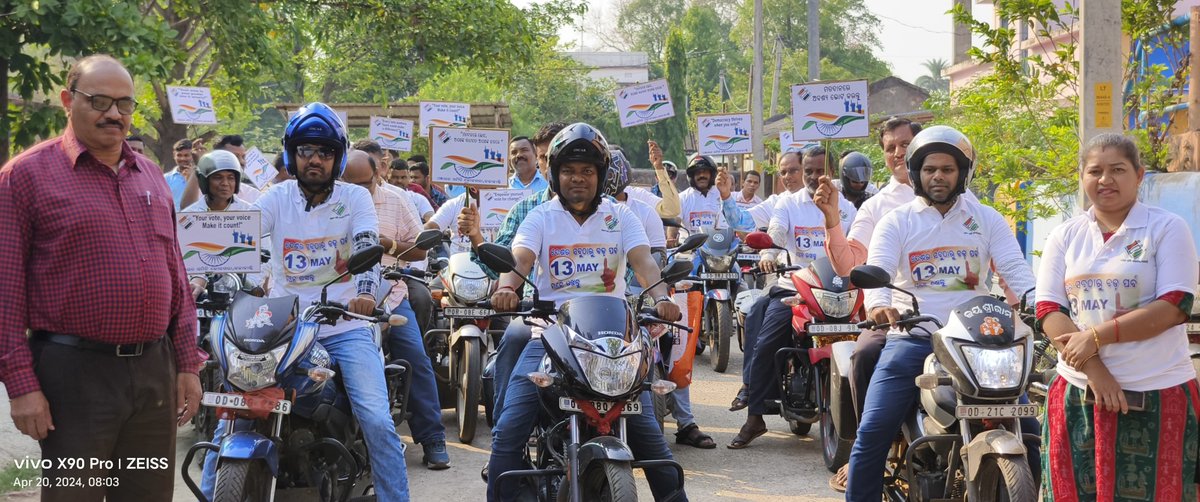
475	157
830	110
494	206
392	134
191	105
724	134
220	241
439	114
644	103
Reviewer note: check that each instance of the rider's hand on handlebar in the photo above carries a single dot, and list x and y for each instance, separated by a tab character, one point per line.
505	300
767	265
668	311
884	315
197	285
362	305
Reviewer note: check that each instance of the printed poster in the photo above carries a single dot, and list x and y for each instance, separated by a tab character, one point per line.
494	206
947	268
392	134
191	105
830	110
220	241
438	114
724	134
590	268
258	168
469	156
644	103
787	144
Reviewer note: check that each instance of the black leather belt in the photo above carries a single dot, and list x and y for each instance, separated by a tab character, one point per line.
121	350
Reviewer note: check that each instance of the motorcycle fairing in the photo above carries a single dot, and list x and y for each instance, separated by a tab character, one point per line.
250	445
257	325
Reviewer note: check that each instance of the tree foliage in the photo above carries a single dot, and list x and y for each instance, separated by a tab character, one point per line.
934	81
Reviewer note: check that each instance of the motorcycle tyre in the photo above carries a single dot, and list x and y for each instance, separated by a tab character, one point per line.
1010	473
606	482
834	450
241	479
720	326
467	379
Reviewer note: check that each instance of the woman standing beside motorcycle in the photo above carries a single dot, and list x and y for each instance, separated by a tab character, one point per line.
1115	286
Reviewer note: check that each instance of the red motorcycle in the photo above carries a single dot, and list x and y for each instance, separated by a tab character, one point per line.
814	372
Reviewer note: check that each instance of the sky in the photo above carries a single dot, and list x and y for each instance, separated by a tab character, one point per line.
913	31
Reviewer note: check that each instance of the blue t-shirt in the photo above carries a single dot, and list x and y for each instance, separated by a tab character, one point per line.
177	182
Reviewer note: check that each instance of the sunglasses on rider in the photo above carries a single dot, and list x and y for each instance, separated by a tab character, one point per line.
102	103
307	151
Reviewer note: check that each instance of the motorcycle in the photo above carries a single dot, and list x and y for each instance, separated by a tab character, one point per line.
814	373
964	439
214	301
272	370
718	280
665	338
588	373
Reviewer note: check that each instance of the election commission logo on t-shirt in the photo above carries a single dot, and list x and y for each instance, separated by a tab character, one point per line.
947	268
585	268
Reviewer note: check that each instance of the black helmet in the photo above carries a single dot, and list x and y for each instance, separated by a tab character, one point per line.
214	161
672	169
579	142
698	162
856	168
940	139
619	172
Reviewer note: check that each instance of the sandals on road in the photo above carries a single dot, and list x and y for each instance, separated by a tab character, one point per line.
741	400
744	438
692	436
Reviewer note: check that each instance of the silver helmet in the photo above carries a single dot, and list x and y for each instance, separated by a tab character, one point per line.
940	139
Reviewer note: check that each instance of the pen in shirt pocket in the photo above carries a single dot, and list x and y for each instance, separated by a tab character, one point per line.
147	197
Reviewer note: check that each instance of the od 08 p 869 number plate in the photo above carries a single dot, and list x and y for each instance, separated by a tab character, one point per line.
631	408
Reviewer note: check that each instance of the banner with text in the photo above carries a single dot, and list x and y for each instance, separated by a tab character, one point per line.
468	156
220	241
727	134
191	105
644	103
438	114
830	110
787	144
494	206
392	134
258	168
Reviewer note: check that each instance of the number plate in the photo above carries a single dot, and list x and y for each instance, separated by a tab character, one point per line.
723	276
748	257
460	312
631	408
832	328
996	411
1193	327
221	400
205	314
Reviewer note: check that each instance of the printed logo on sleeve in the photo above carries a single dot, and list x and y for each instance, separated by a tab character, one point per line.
948	268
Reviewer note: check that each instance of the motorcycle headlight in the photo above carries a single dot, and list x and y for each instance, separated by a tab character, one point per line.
227	283
836	304
251	372
614	373
996	369
714	263
470	290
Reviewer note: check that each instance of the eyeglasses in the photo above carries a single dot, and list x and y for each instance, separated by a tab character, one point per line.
322	152
102	103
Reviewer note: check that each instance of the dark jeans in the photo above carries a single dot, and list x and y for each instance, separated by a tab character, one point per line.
108	408
422	303
405	343
862	365
508	353
775	333
754	321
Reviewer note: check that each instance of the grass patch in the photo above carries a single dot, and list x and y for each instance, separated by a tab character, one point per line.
12	477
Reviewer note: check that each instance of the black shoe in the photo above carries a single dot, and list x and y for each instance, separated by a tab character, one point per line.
436	458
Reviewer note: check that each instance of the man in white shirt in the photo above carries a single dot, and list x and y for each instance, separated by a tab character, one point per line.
748	197
937	247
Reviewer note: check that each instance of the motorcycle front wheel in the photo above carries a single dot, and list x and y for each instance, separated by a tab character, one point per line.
468	378
242	480
719	327
834	449
1006	479
606	482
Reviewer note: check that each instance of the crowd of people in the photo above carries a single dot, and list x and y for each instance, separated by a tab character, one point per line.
98	347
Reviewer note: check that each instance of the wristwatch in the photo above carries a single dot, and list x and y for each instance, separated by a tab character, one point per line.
662	299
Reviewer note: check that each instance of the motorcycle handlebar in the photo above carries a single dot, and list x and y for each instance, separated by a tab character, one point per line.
905	321
333	310
778	271
649	315
398	274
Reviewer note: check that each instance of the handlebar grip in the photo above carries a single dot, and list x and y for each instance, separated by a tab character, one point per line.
867	325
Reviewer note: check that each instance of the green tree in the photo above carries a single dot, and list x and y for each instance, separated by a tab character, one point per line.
672	133
709	48
36	38
642	23
934	81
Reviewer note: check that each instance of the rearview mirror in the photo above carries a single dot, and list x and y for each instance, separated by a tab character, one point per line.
427	239
676	271
362	261
870	277
692	242
496	257
760	241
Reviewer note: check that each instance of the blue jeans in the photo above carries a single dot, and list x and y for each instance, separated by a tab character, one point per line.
405	343
775	332
508	353
522	406
754	322
891	396
361	367
683	407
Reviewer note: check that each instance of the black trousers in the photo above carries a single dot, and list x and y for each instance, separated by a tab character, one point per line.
862	365
422	303
114	423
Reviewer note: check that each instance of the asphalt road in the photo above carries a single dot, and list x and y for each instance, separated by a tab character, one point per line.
776	467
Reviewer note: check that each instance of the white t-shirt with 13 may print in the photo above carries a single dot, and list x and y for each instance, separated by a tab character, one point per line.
578	260
1152	254
798	226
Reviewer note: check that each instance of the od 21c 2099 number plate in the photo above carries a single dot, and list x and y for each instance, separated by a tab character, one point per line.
996	411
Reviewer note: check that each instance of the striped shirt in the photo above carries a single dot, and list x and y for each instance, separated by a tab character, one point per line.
399	222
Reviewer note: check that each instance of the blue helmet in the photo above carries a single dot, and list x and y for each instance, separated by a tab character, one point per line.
316	123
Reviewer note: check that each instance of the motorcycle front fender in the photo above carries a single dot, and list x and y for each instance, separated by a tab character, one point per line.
988	444
720	295
461	335
247	445
603	448
841	405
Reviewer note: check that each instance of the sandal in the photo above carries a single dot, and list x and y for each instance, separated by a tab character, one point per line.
743	439
692	436
838	482
742	400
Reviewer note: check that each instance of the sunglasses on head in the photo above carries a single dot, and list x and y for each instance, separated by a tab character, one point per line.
102	103
307	151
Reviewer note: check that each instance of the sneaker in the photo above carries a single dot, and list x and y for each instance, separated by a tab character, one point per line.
483	473
436	458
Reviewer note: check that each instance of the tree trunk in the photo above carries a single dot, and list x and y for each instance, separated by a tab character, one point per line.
5	124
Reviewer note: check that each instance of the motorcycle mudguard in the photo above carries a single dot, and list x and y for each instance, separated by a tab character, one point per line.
247	445
463	333
841	406
717	294
603	448
991	443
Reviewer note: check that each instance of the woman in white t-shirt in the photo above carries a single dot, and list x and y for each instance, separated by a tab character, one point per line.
1115	286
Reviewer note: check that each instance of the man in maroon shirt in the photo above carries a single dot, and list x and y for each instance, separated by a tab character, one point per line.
97	329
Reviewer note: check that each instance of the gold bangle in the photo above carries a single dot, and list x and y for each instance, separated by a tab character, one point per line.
1096	338
1085	361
